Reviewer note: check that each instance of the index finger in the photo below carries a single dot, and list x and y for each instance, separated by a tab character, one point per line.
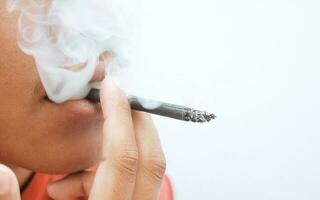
115	177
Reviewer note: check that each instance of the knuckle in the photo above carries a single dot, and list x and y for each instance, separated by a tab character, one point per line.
120	102
115	102
155	166
122	105
127	161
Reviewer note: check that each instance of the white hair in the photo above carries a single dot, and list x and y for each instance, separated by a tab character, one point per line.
64	33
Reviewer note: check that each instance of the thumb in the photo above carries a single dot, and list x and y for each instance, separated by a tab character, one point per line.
9	186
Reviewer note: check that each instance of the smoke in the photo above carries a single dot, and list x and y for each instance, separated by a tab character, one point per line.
66	37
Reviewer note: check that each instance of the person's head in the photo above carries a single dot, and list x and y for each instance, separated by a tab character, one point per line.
36	133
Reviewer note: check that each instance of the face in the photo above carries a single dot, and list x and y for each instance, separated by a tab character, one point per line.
36	133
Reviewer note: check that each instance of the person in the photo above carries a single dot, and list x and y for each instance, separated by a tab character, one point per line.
39	138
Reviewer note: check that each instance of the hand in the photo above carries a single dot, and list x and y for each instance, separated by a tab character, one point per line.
9	186
133	162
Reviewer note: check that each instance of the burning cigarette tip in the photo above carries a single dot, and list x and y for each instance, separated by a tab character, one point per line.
199	116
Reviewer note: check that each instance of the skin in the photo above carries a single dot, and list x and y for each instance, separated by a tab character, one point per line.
35	132
25	116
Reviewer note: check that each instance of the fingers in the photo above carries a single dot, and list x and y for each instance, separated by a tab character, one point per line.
116	175
71	187
152	162
9	186
99	73
121	174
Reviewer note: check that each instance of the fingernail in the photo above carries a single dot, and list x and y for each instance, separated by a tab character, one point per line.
4	182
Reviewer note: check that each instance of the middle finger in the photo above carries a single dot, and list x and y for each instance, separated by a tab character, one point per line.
152	164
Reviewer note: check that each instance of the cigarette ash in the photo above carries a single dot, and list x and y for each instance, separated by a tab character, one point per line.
198	116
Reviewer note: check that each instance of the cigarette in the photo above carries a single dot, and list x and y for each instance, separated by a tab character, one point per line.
161	108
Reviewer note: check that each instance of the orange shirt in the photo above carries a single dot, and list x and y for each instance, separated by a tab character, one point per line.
37	188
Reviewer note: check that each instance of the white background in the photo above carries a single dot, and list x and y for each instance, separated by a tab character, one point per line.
255	63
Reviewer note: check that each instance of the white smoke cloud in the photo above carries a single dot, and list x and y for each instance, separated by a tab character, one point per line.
62	34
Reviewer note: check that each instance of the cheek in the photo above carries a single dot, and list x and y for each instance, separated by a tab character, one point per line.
19	102
31	135
18	80
18	74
